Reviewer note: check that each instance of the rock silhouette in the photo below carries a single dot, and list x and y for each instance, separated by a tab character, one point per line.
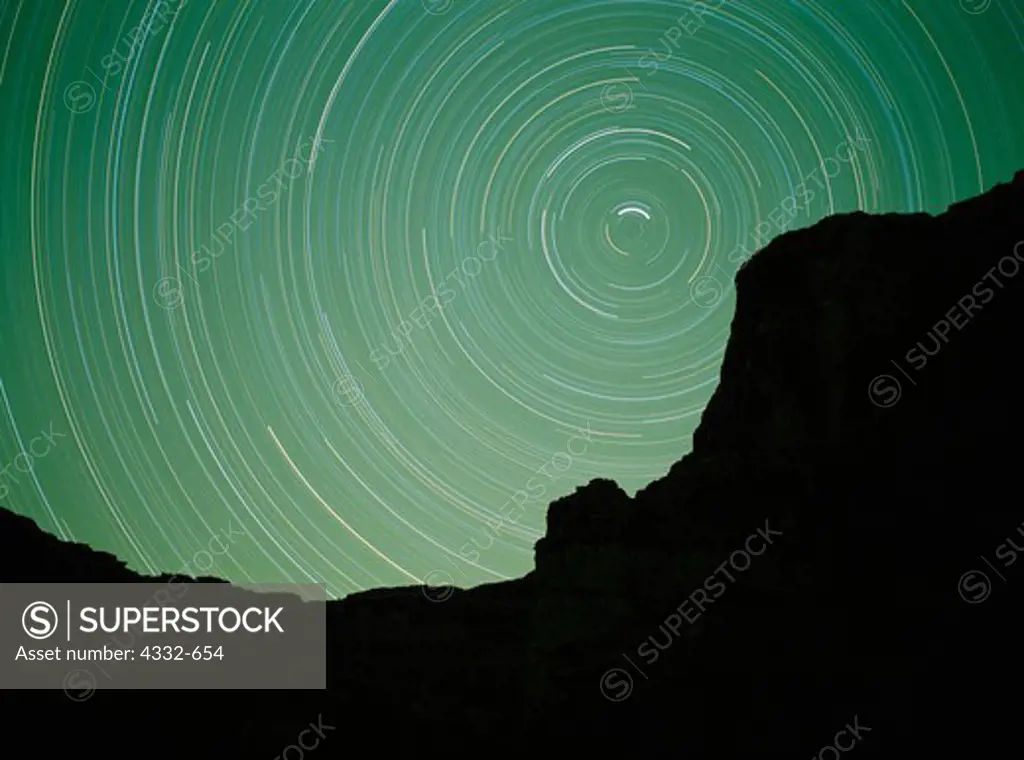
810	576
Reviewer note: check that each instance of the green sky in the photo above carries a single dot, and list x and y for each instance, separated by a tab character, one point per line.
473	249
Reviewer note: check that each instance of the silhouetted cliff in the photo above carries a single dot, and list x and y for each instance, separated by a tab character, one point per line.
804	565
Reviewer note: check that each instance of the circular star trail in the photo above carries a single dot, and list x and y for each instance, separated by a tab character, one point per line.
347	292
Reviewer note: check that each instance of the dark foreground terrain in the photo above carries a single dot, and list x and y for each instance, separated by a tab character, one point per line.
867	424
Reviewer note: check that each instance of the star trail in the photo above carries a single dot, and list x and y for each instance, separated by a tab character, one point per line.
376	281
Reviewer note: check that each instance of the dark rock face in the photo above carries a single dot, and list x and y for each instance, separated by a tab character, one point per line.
801	567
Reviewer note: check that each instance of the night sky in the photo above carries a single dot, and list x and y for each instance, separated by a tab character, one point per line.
364	285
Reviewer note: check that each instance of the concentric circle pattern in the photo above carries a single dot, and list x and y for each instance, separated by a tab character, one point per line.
347	292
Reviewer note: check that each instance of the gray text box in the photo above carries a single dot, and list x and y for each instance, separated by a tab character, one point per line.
84	636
